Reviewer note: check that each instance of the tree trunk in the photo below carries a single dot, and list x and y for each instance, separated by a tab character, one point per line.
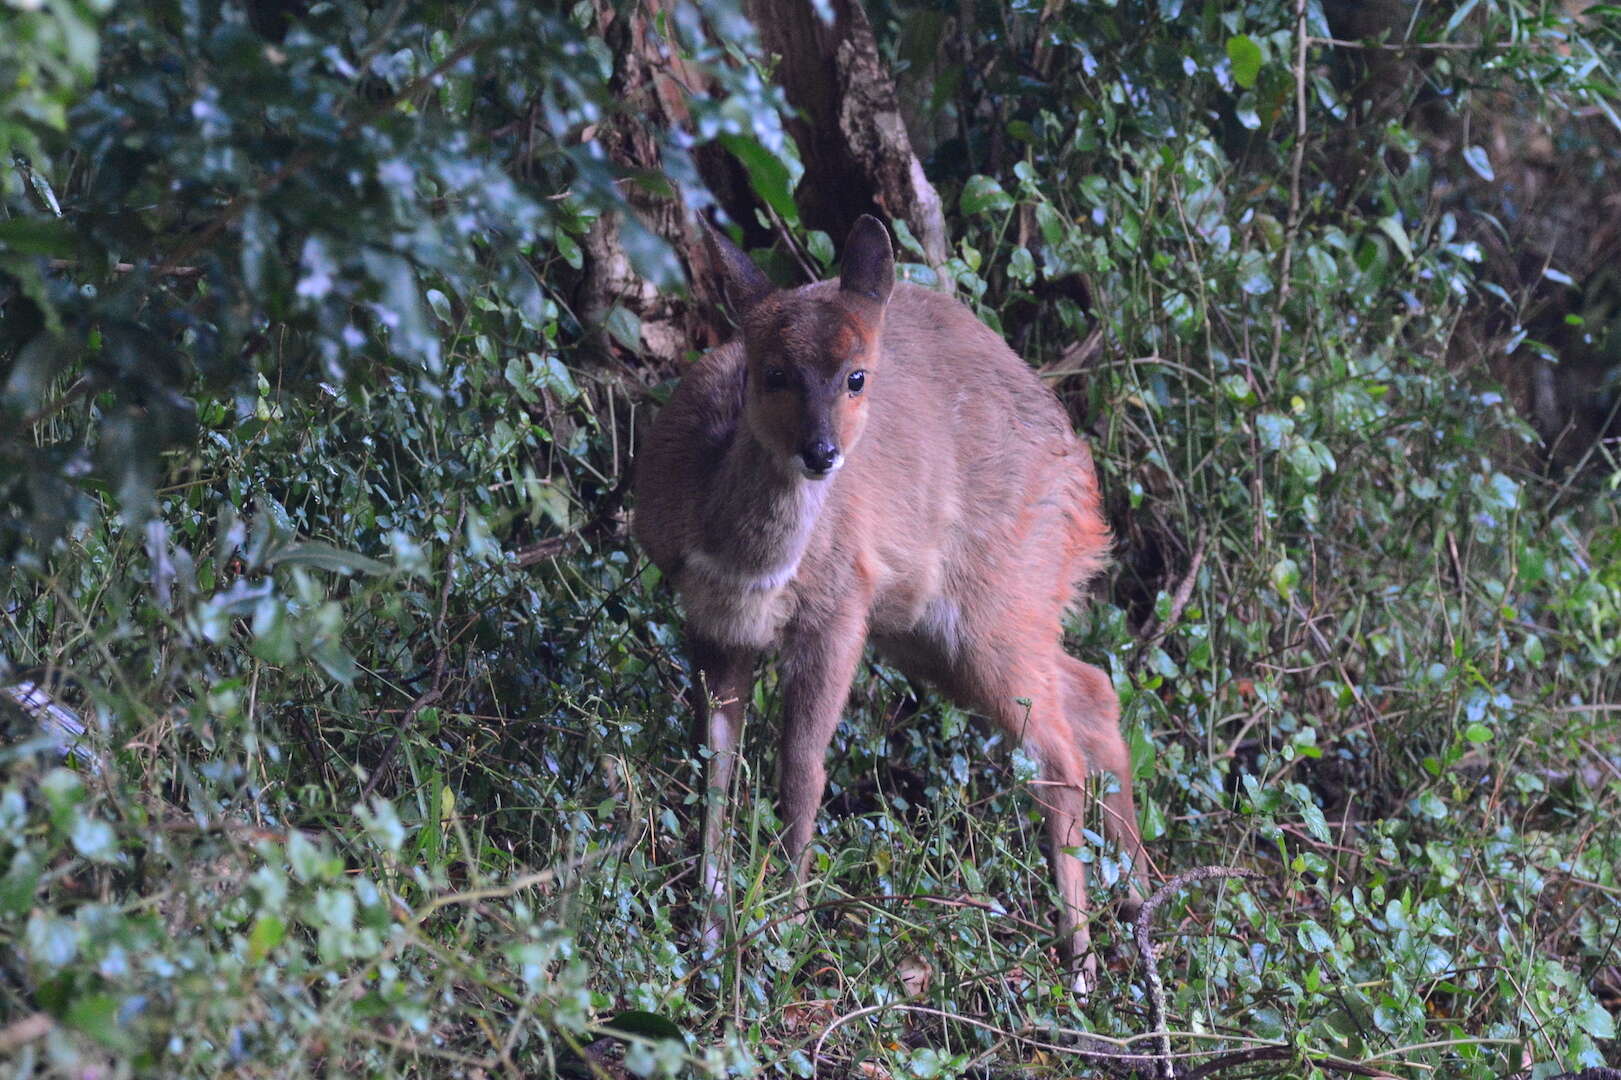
858	158
653	80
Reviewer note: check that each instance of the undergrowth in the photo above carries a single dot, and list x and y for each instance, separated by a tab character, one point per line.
386	767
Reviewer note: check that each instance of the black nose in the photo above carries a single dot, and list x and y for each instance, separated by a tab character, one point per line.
819	456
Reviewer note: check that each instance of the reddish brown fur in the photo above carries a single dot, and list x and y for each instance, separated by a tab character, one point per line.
960	528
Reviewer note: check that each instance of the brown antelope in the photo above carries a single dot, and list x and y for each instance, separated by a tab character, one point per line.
871	462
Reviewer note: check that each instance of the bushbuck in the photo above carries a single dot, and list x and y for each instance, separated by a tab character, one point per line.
870	462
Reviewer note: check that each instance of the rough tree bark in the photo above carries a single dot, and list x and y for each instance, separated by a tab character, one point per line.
653	81
858	158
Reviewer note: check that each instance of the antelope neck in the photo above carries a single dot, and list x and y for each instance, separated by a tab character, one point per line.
758	517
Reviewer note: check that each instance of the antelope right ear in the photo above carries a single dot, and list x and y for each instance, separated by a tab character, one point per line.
744	282
869	261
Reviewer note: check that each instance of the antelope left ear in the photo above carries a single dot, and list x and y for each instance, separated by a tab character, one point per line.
869	262
745	285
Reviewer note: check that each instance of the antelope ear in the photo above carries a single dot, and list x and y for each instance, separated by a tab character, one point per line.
869	263
744	283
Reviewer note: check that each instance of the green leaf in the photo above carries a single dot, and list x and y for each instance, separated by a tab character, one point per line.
94	839
1475	157
96	1015
570	250
625	327
1478	733
1245	55
1398	236
1285	576
400	308
310	862
556	377
1312	815
1021	267
904	237
1238	389
273	639
324	556
1245	113
1596	1020
36	236
1459	16
650	255
1274	430
17	887
335	660
63	791
768	174
1255	274
820	246
440	305
646	1025
268	932
983	194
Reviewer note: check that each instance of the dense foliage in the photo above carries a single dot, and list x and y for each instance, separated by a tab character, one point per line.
291	372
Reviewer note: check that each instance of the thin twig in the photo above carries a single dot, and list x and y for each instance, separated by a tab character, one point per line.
1145	950
1137	1061
1294	187
1431	46
1236	1058
129	268
430	698
1155	631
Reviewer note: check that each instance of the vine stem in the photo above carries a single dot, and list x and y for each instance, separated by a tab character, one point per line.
1294	187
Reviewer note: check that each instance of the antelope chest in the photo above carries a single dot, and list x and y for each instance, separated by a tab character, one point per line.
734	609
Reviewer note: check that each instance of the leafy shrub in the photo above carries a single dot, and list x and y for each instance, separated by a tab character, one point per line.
362	792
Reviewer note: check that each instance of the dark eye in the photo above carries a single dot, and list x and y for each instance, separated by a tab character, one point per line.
857	381
776	379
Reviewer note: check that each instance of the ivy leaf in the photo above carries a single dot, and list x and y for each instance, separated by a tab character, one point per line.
324	556
36	236
1398	236
768	176
625	327
1246	57
1475	157
643	1024
1285	576
96	1015
268	932
983	194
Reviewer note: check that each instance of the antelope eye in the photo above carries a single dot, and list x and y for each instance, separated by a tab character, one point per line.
857	381
776	379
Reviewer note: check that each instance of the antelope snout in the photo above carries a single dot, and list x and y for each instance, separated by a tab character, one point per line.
819	457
